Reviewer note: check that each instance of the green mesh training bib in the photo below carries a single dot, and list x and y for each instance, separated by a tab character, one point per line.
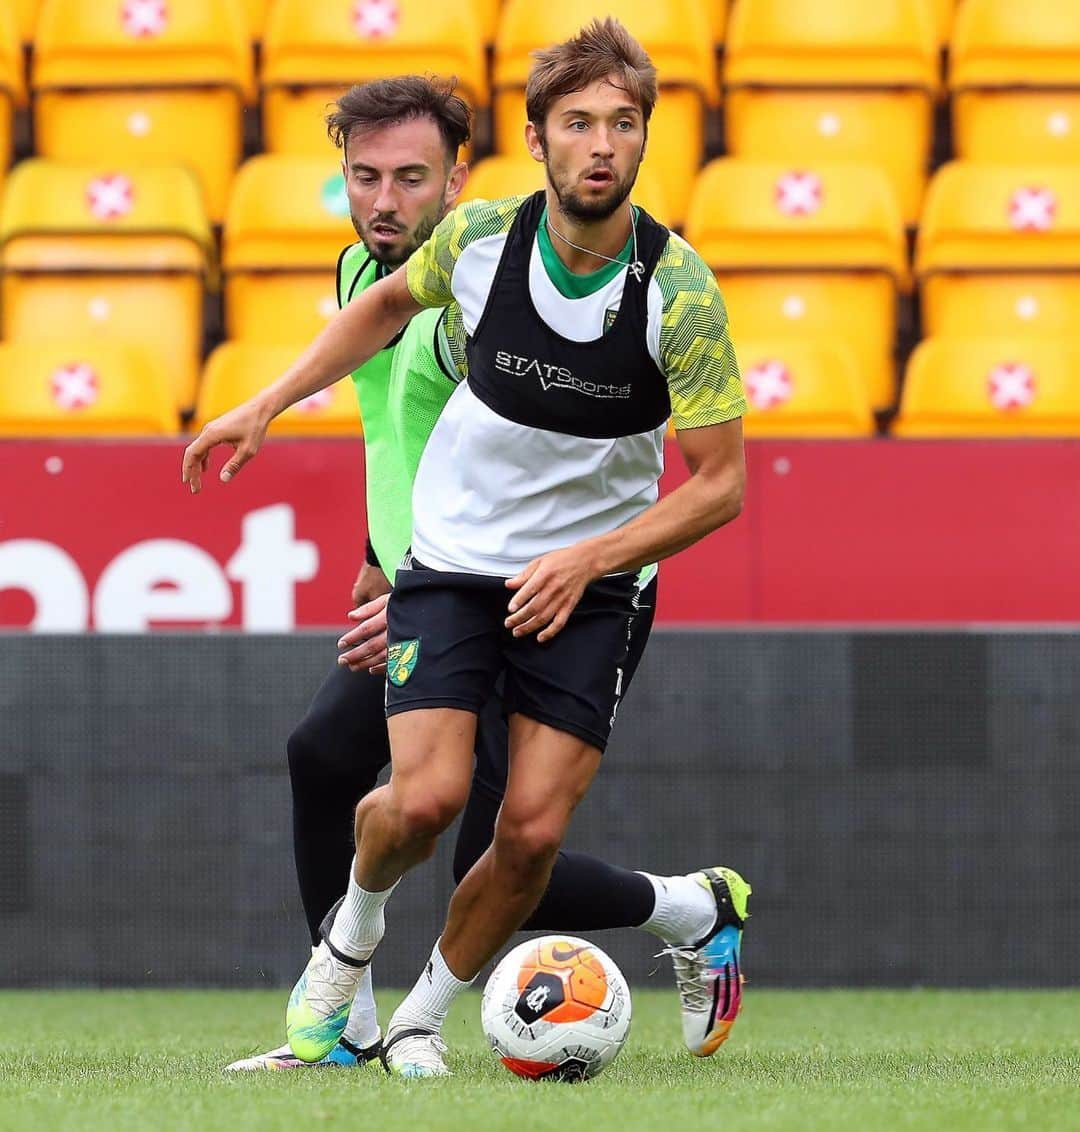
401	391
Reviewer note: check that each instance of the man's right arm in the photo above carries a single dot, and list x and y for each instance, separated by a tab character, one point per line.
353	336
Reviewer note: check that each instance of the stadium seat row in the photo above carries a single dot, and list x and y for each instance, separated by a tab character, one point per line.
953	387
101	387
795	388
813	252
821	252
258	15
831	80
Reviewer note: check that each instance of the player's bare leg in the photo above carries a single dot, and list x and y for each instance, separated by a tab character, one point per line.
397	825
550	770
396	828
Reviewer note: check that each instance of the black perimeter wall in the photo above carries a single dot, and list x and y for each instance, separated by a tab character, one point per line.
907	806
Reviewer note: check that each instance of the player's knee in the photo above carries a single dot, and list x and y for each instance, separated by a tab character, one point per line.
424	813
375	800
321	761
303	751
528	845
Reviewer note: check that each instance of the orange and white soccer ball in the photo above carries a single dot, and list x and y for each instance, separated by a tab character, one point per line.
556	1007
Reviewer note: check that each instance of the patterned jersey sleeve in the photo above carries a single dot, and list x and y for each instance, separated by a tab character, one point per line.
695	350
453	334
430	269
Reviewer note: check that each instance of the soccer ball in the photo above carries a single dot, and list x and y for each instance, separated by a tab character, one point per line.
556	1007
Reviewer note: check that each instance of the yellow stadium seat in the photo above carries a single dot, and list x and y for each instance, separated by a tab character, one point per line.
120	256
999	247
803	387
835	81
718	22
144	81
504	176
1015	80
236	371
487	18
813	252
313	52
26	14
943	13
287	222
991	387
12	88
256	13
678	36
82	387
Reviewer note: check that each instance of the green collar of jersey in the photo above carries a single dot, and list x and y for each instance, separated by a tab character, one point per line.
569	284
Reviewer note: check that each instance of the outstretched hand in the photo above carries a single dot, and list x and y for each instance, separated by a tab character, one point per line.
243	428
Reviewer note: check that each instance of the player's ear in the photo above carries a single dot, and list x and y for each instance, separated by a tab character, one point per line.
456	182
534	141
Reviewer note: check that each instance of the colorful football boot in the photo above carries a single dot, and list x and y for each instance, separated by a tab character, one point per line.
707	973
344	1054
320	1002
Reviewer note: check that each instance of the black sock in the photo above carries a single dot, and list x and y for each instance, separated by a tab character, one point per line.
583	894
587	894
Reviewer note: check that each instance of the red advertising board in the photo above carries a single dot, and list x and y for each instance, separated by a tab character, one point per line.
102	535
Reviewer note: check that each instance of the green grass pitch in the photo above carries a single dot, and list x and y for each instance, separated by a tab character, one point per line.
864	1060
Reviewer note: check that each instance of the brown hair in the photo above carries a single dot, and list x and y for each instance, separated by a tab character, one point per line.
388	102
603	49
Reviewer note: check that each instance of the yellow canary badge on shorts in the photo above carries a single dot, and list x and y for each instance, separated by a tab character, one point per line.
401	658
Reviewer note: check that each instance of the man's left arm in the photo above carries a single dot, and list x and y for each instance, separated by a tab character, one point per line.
695	353
711	497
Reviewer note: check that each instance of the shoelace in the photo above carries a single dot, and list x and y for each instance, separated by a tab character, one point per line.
420	1049
694	993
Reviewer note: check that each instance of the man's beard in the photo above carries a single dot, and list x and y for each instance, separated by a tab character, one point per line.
577	208
394	257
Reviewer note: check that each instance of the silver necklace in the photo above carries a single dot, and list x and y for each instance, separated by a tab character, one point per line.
635	266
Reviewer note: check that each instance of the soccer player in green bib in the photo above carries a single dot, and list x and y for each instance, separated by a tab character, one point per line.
400	139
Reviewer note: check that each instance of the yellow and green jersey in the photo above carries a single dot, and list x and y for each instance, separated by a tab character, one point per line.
688	323
557	435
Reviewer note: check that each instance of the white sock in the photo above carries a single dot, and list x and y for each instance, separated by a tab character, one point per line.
359	923
428	1003
684	913
362	1028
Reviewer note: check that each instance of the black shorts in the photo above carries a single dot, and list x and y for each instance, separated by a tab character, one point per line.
447	646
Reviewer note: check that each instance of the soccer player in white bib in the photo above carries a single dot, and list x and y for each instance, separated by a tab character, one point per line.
588	325
400	139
